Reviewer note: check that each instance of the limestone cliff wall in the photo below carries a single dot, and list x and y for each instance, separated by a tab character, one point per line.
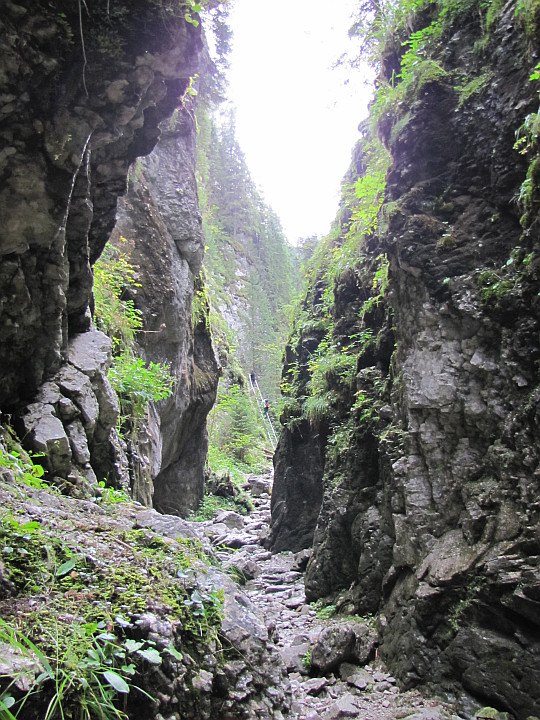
84	88
159	225
429	516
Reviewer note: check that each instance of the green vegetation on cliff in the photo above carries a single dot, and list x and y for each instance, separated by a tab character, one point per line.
248	261
412	370
344	269
250	278
136	382
407	43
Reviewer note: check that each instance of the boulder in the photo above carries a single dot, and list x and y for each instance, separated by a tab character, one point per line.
257	485
76	386
345	707
232	520
45	433
167	525
90	352
78	442
314	686
334	646
20	665
295	658
243	567
360	679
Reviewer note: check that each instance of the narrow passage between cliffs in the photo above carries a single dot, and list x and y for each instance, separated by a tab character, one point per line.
332	663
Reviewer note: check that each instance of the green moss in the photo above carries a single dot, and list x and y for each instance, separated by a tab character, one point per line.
473	87
324	612
446	241
430	73
38	563
528	13
487	713
496	284
31	557
493	12
493	286
529	193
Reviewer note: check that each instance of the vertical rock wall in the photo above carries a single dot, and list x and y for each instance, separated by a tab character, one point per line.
160	226
463	585
84	88
430	515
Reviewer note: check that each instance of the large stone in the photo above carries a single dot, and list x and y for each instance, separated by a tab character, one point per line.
90	352
21	667
334	646
109	408
232	520
258	485
314	686
166	525
46	435
360	679
345	707
76	386
78	442
296	658
245	567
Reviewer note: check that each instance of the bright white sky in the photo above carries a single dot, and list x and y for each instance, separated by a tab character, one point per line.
297	120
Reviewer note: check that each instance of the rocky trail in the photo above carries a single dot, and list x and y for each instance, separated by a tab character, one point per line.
285	659
332	663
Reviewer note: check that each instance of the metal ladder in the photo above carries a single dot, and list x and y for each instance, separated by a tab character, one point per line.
272	437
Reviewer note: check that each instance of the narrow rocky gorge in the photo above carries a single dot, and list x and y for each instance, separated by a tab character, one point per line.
400	546
332	663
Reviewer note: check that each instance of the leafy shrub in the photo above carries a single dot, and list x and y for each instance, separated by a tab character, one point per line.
15	460
137	383
115	315
317	407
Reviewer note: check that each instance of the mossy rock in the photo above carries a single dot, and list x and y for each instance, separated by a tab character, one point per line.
489	713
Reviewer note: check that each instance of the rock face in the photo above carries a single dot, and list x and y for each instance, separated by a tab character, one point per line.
160	228
297	497
299	457
70	131
82	97
73	417
430	514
